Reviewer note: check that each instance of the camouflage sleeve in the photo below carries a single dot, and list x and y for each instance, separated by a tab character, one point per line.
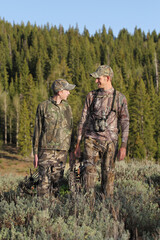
124	119
70	132
71	116
84	116
71	126
37	130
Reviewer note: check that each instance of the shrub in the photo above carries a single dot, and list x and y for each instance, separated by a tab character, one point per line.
136	194
133	212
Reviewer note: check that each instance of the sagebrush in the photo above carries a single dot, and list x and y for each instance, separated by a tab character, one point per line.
133	212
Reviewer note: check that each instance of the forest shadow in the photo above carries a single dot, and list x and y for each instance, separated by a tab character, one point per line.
10	152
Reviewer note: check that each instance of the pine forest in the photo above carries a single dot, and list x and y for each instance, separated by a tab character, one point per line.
32	57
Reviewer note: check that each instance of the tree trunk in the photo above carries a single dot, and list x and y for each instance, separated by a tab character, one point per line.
10	130
156	66
17	130
5	118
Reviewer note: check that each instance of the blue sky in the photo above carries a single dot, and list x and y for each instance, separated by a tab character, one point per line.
92	14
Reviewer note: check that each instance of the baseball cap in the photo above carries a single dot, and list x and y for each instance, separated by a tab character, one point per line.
103	70
62	84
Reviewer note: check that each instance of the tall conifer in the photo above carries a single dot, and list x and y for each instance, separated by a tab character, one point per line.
24	138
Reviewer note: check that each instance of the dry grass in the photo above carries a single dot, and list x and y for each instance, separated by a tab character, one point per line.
13	163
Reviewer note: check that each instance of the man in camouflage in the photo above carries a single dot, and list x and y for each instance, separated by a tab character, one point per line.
105	110
52	136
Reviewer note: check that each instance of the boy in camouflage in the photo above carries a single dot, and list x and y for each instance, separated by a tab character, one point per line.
52	136
105	110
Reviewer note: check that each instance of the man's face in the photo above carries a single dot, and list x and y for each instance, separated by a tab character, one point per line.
64	94
101	81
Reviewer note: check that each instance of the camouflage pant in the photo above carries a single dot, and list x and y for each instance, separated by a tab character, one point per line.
94	151
51	168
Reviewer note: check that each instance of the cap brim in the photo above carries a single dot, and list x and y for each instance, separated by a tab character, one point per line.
94	74
70	87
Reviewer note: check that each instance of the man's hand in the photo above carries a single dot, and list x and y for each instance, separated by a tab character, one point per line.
35	160
121	153
77	151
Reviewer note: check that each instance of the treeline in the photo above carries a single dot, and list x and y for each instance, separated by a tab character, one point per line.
32	57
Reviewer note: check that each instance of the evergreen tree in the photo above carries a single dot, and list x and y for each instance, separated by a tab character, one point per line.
104	48
16	104
31	102
39	73
10	117
141	123
157	130
32	57
24	138
4	105
5	80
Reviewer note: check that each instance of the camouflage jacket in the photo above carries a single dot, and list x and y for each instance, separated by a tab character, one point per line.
53	126
118	117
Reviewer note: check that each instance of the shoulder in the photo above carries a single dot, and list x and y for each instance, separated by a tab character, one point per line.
121	97
43	104
67	106
91	94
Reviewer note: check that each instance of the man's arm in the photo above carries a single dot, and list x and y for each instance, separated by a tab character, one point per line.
35	160
124	123
77	151
37	132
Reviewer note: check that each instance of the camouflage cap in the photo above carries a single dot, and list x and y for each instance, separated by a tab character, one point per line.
62	84
103	70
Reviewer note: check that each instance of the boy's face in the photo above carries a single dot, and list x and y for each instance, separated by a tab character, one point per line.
64	94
